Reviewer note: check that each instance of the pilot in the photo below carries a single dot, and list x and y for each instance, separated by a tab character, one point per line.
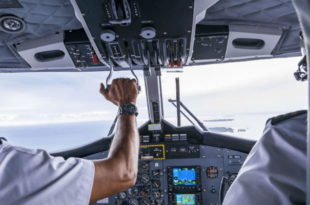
33	177
275	170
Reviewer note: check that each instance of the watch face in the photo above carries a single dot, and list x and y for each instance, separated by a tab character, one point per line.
130	108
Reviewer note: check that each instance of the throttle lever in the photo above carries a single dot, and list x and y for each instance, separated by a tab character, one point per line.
133	73
127	12
110	74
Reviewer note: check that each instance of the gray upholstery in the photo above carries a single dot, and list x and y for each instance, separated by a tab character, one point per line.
303	11
275	13
43	17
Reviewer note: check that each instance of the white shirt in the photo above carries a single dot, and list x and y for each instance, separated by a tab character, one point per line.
33	177
275	170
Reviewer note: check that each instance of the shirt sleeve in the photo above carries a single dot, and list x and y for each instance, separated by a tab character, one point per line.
34	177
275	170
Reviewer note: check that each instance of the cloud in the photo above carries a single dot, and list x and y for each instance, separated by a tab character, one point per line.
255	86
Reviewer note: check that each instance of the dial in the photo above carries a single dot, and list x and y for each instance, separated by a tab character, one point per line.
212	172
156	173
144	178
133	202
133	191
145	201
122	195
160	202
144	167
145	190
156	194
156	184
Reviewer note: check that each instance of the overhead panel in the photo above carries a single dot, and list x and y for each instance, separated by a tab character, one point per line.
119	29
46	53
251	42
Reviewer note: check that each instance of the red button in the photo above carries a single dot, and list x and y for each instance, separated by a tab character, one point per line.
95	59
179	64
171	64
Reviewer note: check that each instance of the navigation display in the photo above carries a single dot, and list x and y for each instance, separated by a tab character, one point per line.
184	176
185	199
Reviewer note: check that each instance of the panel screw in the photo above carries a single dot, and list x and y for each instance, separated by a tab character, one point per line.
220	155
190	7
189	31
102	152
83	14
165	190
228	150
219	149
117	36
202	147
165	33
221	169
204	190
203	156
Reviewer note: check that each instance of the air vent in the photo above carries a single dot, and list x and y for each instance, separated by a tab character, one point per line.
248	43
49	55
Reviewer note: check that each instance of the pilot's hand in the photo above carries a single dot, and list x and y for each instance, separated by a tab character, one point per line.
122	91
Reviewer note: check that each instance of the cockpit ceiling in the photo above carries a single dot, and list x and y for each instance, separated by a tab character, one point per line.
273	13
45	17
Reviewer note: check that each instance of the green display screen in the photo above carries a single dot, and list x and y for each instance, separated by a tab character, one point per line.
185	199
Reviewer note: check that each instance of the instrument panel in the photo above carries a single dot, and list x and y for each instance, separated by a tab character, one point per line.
179	173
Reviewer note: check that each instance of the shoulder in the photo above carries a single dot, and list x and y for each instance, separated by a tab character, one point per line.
289	116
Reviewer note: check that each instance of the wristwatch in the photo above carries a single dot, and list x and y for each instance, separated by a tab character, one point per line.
128	109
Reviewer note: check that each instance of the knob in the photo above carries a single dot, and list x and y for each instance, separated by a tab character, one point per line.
107	35
148	32
179	64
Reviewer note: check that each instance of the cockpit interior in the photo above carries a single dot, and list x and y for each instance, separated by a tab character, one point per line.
177	164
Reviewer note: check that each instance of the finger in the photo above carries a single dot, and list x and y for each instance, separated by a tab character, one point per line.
103	91
114	81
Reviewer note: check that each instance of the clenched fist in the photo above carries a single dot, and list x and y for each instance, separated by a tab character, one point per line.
122	91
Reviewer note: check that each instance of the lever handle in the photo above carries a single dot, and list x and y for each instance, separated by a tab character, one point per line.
127	11
110	74
133	73
223	188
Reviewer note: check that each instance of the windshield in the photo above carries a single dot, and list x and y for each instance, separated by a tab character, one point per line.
55	111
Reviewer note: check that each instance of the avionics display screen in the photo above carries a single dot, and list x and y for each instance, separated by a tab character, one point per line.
185	199
184	176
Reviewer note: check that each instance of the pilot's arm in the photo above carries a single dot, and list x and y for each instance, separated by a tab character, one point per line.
33	177
119	171
275	170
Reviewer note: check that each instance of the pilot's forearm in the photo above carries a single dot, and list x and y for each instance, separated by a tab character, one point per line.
119	171
125	146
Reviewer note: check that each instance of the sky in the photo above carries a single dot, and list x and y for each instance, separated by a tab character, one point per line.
220	89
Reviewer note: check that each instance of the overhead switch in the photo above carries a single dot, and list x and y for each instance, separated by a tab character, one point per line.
95	59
